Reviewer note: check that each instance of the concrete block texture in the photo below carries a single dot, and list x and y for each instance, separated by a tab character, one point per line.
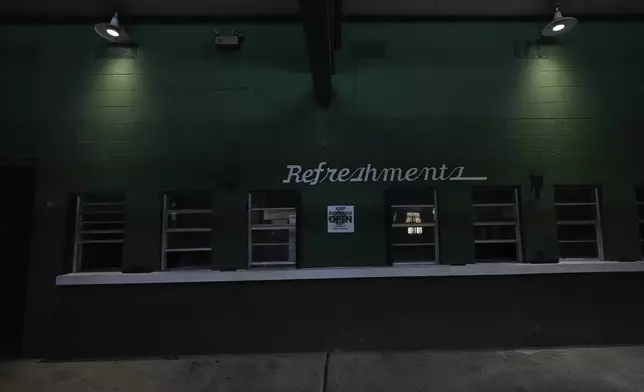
266	373
588	369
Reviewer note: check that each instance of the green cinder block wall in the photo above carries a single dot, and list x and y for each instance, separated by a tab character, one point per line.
182	116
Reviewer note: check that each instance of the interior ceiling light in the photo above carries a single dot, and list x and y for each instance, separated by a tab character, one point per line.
112	31
560	25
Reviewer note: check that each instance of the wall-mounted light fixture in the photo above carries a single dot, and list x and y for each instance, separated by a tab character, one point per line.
113	31
559	25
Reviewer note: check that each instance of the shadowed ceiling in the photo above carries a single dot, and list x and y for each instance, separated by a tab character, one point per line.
267	8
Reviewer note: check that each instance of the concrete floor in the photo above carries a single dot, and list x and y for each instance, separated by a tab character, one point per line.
578	369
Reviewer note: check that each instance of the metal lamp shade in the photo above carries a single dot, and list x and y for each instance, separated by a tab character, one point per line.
566	22
121	35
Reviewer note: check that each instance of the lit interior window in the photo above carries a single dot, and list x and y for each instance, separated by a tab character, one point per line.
413	217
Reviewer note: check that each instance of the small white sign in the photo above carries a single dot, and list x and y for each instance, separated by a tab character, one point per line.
340	219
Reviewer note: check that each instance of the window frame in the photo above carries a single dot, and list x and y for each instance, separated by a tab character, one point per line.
639	191
274	264
434	225
77	255
516	222
164	233
597	223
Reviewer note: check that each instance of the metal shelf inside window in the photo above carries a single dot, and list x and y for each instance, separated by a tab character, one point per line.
99	232
187	231
578	222
413	227
497	233
272	229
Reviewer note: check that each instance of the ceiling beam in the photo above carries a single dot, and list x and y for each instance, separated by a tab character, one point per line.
320	26
337	25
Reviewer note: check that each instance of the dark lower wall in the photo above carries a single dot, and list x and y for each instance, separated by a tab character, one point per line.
444	313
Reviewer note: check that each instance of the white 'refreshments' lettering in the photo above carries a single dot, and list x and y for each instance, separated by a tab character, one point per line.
411	174
332	173
307	177
293	171
370	173
459	172
344	175
373	172
359	178
392	174
428	170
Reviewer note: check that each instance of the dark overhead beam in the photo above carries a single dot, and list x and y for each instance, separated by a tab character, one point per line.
337	25
235	20
317	20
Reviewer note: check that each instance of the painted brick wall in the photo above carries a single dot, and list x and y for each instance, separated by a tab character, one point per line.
181	116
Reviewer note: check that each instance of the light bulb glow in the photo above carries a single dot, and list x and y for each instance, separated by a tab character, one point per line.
558	27
112	32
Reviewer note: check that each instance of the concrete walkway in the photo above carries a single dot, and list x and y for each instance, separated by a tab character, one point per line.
580	369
